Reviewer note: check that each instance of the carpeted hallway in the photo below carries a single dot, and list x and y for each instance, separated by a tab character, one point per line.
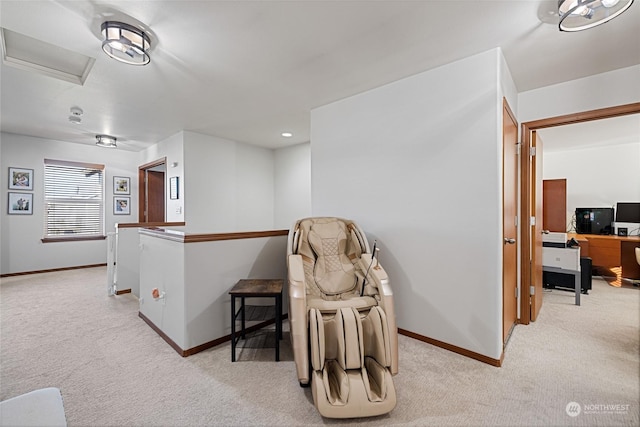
62	330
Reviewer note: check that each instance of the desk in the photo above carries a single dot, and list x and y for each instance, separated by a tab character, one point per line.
611	251
260	288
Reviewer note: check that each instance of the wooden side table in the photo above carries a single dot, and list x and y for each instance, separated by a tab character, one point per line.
260	288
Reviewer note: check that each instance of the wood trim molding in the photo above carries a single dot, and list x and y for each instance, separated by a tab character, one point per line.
207	345
153	164
191	238
197	238
149	224
164	336
525	228
52	270
585	116
73	164
71	239
453	348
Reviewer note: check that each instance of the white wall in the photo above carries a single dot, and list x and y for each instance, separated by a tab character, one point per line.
229	186
604	90
292	185
417	164
22	249
196	279
596	177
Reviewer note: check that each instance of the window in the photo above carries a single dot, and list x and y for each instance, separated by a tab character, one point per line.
74	200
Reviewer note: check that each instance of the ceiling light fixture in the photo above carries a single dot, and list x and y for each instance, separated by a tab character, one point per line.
287	134
106	141
577	15
125	43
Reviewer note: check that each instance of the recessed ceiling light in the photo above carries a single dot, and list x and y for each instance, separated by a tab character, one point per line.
287	134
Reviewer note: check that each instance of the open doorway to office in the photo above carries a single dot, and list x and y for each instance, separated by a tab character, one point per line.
531	267
151	203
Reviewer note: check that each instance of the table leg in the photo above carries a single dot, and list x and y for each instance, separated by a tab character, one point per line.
578	281
278	325
243	322
233	328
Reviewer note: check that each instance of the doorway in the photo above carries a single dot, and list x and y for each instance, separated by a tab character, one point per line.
151	203
531	269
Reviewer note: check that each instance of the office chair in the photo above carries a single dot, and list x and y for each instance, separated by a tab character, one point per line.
342	320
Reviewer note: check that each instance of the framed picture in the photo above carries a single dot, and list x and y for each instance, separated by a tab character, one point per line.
174	188
121	205
20	203
20	179
121	185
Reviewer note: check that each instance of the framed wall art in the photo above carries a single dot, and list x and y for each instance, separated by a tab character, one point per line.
20	203
20	179
174	188
121	185
122	205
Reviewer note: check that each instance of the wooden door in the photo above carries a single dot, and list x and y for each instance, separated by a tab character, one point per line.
509	217
155	196
151	191
554	205
536	224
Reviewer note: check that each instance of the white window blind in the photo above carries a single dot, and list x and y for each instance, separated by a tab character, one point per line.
74	199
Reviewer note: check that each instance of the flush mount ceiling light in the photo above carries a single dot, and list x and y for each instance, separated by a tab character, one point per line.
286	134
125	43
577	15
106	141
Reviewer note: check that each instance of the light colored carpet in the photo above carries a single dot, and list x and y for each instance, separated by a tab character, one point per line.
62	330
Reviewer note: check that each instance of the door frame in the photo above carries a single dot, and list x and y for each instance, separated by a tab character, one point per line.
526	189
142	190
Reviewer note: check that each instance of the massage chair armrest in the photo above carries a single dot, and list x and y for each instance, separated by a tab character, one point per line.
298	322
376	272
381	282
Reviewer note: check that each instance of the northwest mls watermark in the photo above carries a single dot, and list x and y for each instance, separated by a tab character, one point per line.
573	409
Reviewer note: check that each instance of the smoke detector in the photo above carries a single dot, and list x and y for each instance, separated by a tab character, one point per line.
76	114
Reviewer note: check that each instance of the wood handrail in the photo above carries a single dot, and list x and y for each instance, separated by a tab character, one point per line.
149	224
212	237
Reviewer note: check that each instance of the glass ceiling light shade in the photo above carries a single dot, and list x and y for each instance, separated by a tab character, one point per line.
106	141
125	43
577	15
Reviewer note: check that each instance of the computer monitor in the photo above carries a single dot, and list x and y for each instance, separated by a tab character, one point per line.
628	212
594	220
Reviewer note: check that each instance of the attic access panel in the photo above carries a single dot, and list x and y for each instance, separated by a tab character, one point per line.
31	54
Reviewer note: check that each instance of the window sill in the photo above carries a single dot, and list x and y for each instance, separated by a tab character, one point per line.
71	239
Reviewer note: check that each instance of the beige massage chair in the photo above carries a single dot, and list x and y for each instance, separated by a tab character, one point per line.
343	326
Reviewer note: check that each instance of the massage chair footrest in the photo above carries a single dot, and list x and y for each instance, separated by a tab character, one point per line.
357	404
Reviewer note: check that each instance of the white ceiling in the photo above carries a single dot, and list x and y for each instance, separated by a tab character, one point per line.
249	70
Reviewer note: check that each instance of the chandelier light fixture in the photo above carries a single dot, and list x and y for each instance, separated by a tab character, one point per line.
577	15
106	141
125	43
